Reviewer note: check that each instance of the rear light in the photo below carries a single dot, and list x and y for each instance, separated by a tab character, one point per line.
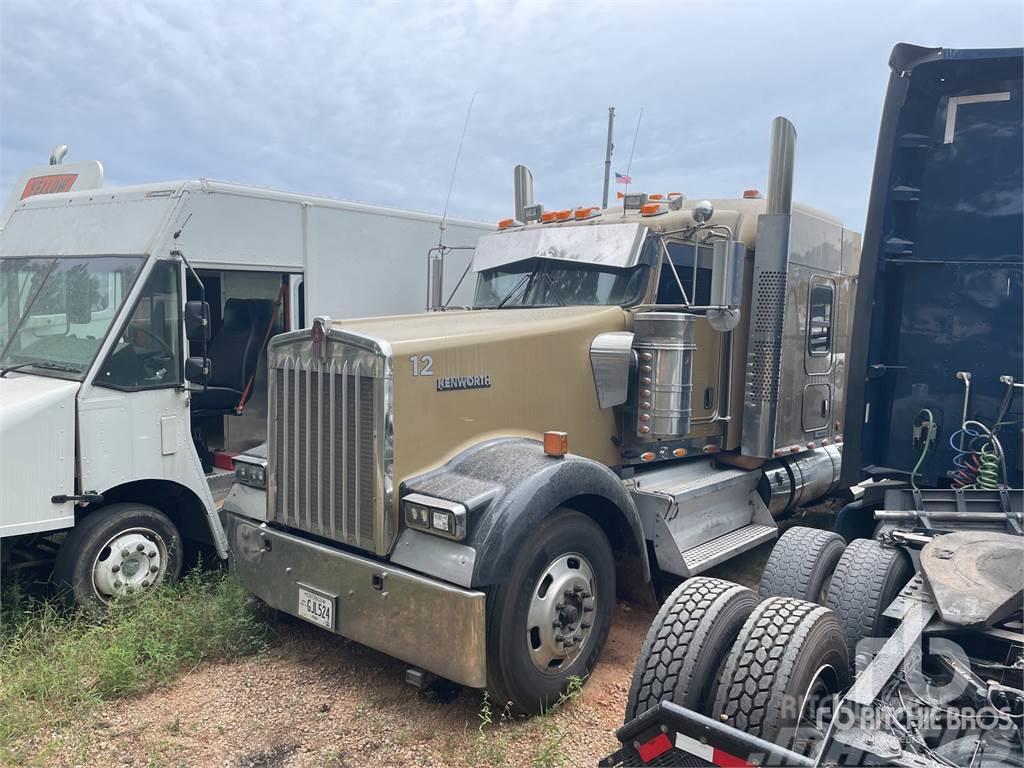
654	748
653	209
751	194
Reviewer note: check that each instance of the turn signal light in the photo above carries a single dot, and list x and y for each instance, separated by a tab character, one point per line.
556	443
647	456
679	453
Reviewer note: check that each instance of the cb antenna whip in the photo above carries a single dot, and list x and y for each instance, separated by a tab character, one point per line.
633	148
435	256
455	168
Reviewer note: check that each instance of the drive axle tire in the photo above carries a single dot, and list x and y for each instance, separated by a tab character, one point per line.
683	652
122	550
868	578
549	620
801	564
787	650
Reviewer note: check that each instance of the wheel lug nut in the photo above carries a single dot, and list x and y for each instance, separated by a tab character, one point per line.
151	554
117	585
585	625
139	547
145	583
125	553
115	568
588	608
153	569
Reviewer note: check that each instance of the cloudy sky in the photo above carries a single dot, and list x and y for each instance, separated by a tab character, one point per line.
366	101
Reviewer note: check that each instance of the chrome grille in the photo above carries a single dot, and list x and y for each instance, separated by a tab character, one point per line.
326	449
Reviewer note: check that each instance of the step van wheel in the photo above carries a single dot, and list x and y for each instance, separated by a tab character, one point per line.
801	564
549	620
682	655
121	550
788	660
868	578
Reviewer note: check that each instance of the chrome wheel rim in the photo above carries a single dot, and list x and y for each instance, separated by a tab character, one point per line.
562	611
129	563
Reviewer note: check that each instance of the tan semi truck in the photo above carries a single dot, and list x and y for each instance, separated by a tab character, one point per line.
637	389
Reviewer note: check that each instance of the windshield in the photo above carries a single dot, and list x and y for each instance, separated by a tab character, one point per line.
550	283
55	312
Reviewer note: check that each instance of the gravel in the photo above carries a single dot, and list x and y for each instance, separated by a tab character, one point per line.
318	700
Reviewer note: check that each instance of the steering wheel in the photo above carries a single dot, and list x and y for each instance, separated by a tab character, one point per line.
165	348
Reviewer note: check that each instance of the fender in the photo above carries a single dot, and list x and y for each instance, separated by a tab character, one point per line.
509	485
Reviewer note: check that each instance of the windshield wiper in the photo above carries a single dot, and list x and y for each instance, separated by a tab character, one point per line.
526	280
39	364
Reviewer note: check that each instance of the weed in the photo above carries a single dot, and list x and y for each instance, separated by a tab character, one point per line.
58	665
550	755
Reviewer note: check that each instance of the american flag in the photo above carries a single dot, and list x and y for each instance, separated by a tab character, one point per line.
623	179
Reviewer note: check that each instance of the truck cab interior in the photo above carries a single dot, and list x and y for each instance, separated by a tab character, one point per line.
229	414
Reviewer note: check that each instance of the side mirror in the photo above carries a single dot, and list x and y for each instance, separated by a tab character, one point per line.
198	370
197	321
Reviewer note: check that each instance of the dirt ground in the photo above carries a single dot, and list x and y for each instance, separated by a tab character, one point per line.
317	700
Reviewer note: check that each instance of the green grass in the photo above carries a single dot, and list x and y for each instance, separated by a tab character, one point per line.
57	665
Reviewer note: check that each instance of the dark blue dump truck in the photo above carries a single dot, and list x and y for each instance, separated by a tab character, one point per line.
898	638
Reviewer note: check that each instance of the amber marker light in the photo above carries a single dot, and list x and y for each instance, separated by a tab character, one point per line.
556	443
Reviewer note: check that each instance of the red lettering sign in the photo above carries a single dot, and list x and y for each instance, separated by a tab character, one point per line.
44	185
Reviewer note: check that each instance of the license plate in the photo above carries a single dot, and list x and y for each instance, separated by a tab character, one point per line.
316	607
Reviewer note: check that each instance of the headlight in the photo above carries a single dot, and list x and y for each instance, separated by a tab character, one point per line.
437	516
250	474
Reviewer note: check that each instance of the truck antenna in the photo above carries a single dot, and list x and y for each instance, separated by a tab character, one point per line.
455	169
435	256
633	148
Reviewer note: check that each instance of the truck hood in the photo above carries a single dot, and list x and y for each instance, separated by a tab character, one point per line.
434	330
37	452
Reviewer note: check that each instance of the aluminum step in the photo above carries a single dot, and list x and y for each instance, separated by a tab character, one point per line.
678	488
720	549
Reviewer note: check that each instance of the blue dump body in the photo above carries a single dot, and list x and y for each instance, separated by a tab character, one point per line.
940	287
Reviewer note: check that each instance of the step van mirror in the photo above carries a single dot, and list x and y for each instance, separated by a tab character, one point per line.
197	321
198	370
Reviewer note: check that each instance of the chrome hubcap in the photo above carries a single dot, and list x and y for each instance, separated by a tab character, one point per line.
561	614
129	563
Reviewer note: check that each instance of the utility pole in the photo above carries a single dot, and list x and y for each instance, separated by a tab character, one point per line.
608	157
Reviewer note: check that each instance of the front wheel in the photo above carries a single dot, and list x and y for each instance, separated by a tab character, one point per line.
549	619
118	551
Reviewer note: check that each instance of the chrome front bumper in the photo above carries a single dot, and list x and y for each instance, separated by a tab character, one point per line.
421	621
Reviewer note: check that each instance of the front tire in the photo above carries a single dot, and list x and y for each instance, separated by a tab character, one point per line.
549	620
123	550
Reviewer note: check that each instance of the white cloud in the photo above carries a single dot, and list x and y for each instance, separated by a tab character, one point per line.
366	101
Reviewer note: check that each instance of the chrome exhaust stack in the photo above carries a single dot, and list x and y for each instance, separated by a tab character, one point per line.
781	161
523	183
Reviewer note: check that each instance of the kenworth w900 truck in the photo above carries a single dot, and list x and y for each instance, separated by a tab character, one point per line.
121	398
636	389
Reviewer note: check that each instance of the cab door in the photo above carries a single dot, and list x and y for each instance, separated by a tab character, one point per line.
134	418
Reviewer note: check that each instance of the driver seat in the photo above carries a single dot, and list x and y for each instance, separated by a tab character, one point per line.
234	354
